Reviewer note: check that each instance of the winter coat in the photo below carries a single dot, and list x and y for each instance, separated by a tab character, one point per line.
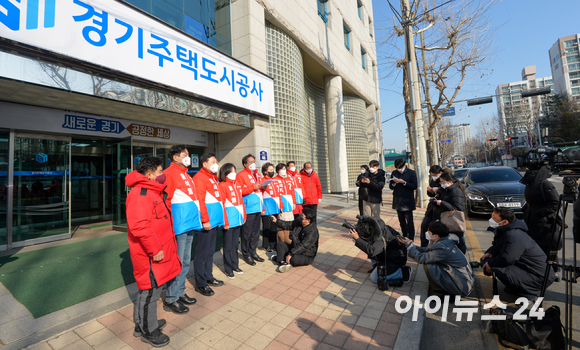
252	198
519	257
362	190
312	187
182	200
299	190
150	230
235	212
542	202
210	200
404	194
452	198
271	195
395	255
375	187
431	206
304	239
446	264
287	192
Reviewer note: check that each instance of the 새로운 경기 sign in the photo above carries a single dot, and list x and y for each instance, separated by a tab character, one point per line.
114	35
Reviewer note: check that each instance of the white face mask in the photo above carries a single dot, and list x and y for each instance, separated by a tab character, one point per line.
435	178
427	236
402	170
186	161
252	167
293	169
362	171
309	171
492	223
282	173
232	176
444	185
214	168
373	170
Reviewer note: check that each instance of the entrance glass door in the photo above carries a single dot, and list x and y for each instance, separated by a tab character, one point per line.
118	166
4	154
41	204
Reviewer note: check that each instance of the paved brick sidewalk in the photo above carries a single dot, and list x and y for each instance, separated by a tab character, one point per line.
329	305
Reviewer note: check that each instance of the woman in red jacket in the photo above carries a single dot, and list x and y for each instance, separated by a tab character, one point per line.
234	216
152	246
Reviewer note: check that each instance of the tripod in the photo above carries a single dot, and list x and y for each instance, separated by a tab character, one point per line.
570	273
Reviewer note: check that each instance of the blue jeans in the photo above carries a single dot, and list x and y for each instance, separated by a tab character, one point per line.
176	287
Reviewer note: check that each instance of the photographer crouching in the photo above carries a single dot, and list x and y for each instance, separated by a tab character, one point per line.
379	242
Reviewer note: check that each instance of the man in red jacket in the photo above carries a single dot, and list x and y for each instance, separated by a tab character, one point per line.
312	188
152	246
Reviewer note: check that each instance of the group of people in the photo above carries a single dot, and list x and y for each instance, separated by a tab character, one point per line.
167	209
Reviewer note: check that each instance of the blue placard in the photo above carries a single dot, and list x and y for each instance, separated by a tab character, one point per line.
449	113
263	155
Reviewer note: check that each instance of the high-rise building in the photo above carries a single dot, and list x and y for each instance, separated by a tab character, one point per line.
460	136
516	114
565	64
88	88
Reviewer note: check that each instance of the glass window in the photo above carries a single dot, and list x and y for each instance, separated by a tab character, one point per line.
575	91
574	75
363	56
359	9
144	5
3	184
495	175
574	66
196	29
346	37
168	13
572	51
504	89
323	10
374	72
575	83
370	27
198	10
570	43
571	59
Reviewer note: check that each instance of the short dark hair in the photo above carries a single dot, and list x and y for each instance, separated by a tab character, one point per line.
365	166
280	166
246	157
225	170
290	162
205	157
364	229
304	166
175	150
435	169
505	214
374	163
309	214
148	164
265	167
399	162
438	228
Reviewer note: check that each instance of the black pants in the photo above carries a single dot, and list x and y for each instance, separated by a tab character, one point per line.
231	243
360	206
250	235
407	224
203	261
145	308
269	232
424	228
313	207
282	250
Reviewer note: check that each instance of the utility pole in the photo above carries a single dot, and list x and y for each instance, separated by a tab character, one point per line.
418	131
434	141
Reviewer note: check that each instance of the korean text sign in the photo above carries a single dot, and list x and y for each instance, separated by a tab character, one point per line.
113	35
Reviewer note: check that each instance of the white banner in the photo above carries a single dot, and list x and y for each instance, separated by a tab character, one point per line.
113	35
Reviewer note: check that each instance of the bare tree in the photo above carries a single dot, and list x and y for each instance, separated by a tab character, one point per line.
488	129
444	133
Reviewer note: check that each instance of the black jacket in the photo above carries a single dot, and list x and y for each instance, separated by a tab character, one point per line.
394	257
362	190
431	206
451	198
375	187
404	194
304	239
542	202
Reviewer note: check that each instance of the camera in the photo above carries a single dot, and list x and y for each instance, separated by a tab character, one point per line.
562	162
350	226
477	264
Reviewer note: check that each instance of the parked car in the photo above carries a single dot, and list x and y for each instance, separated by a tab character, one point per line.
460	173
492	187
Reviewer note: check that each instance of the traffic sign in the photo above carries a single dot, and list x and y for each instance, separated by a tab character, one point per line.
448	113
445	141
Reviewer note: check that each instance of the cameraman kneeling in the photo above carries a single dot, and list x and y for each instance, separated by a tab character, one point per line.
367	238
446	267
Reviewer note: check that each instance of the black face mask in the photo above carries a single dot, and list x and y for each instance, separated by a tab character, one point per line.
271	174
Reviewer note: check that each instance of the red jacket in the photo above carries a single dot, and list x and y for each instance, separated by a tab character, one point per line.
312	189
287	194
210	201
232	199
298	181
150	230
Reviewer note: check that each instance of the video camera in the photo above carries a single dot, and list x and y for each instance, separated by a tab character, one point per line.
561	162
350	226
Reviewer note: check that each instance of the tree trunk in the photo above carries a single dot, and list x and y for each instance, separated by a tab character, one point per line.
408	116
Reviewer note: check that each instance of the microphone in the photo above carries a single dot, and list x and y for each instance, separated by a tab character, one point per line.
520	151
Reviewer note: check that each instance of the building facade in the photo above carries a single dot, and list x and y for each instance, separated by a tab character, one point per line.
565	64
519	115
460	136
126	79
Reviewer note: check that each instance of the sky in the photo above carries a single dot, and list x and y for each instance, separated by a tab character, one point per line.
525	31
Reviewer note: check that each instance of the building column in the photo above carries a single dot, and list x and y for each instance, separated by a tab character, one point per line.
337	163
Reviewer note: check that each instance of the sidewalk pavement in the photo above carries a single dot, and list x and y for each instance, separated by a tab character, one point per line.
329	305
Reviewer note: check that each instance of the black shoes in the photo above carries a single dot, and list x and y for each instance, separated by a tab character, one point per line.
238	271
215	283
137	332
231	275
187	300
249	261
156	338
176	307
205	290
257	258
274	258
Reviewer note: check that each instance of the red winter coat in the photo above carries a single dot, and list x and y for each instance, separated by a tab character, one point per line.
150	230
312	189
298	181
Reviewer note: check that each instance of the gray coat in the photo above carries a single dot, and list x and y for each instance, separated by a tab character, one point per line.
446	264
